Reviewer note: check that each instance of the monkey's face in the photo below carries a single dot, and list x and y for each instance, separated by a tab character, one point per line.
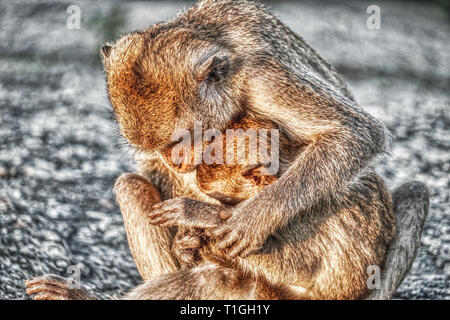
164	79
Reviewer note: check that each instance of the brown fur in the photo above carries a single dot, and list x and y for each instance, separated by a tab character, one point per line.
311	232
230	183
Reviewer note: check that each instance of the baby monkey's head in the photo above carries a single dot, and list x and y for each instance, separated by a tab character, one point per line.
165	78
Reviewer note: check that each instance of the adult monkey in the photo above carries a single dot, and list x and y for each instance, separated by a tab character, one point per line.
215	63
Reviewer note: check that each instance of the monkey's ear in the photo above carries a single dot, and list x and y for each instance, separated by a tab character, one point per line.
215	69
105	51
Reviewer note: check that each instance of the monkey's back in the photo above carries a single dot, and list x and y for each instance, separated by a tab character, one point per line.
249	28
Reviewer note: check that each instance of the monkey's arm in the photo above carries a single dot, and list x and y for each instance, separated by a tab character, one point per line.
342	141
185	212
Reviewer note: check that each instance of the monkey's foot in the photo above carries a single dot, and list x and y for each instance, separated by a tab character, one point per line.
53	287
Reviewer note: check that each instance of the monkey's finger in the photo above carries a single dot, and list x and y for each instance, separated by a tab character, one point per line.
237	249
44	287
217	233
48	279
227	242
168	223
189	242
157	206
225	214
221	237
50	296
159	221
160	212
209	232
165	205
186	257
169	217
249	251
153	218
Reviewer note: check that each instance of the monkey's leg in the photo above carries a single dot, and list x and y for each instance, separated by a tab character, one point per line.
205	281
151	246
411	205
210	280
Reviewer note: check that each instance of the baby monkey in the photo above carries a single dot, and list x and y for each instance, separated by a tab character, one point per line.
234	170
232	174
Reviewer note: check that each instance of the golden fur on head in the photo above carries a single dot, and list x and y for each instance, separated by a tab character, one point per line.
141	87
161	79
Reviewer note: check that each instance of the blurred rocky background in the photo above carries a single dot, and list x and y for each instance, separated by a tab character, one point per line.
60	152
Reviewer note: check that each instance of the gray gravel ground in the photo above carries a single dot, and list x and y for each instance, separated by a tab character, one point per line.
60	153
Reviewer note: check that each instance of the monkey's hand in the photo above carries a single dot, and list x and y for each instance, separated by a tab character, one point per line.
53	287
240	235
186	246
185	212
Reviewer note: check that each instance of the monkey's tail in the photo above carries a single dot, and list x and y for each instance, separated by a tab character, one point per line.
411	204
